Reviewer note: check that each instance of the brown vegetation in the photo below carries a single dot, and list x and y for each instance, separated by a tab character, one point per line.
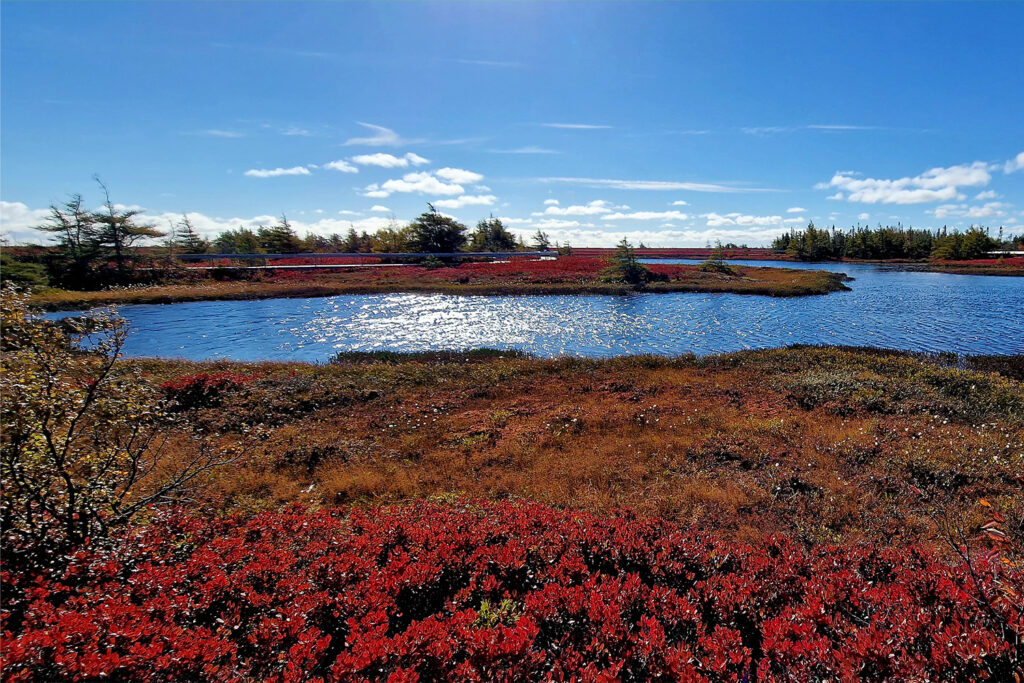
822	444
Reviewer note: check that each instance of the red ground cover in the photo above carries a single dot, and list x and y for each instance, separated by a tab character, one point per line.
1012	262
399	594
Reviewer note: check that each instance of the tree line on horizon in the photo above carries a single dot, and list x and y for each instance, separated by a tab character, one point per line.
103	247
892	242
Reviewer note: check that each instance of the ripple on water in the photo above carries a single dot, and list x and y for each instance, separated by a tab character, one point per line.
886	308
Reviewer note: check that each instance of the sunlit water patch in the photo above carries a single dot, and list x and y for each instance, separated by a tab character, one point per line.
887	308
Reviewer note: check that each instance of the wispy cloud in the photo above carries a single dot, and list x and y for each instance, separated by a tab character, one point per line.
646	216
796	209
295	130
840	126
341	165
275	172
766	130
655	185
382	137
529	149
575	126
835	127
218	133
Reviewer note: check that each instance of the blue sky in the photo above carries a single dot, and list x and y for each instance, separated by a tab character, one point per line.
671	123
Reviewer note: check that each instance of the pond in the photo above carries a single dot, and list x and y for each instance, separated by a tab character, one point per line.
886	307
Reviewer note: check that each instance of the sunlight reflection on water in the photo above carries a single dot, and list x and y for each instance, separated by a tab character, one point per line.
888	308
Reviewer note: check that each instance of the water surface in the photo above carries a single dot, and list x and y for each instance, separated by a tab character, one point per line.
887	307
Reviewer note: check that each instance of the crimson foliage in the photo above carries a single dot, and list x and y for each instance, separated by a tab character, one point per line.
398	593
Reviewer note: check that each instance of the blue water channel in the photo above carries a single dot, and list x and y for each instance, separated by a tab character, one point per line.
886	307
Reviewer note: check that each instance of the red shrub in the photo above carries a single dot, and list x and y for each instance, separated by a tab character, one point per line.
397	593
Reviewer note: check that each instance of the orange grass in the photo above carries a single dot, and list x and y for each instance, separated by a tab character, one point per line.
824	444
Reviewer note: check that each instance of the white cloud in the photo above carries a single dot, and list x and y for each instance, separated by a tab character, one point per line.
937	184
341	165
598	206
424	183
653	185
374	192
794	221
383	137
515	221
345	212
275	172
1014	164
987	210
389	160
796	209
529	149
458	175
715	220
574	126
647	216
987	194
17	221
378	207
550	202
863	216
466	200
295	130
680	202
837	196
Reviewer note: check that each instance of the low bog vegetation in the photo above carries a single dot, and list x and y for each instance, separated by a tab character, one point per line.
480	591
566	275
819	444
798	514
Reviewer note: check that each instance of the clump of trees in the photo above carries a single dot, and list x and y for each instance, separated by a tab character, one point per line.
625	267
94	247
890	242
112	245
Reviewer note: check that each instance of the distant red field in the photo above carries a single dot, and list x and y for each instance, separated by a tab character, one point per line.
1013	262
688	253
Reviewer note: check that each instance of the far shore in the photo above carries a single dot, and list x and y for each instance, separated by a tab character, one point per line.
572	275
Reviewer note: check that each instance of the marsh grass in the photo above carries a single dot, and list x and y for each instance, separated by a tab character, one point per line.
823	443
